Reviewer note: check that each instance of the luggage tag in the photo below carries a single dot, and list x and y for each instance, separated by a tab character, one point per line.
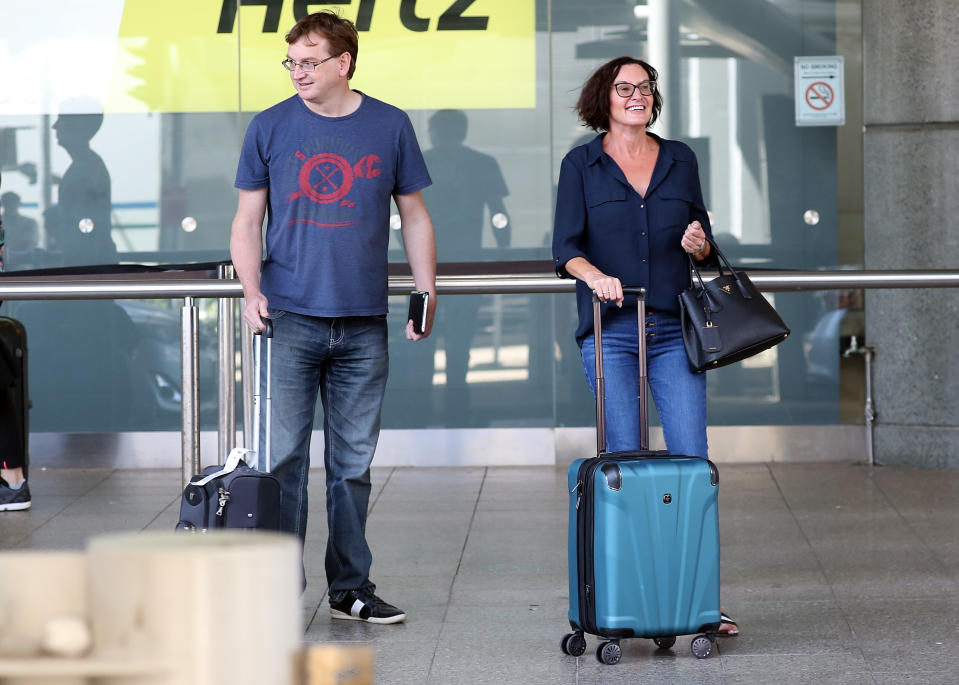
709	334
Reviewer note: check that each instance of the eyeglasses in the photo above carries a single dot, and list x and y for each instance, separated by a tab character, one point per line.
624	89
292	64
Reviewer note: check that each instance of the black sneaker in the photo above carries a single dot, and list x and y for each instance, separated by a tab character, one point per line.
363	605
14	500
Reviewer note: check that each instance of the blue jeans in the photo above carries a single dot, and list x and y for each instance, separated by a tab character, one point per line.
347	361
679	394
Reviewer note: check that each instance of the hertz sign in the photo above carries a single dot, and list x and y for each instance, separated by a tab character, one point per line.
224	55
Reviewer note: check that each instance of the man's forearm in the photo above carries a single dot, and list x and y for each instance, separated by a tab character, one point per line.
420	245
246	250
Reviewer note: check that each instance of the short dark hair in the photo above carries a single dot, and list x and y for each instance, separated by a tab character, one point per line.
339	32
593	103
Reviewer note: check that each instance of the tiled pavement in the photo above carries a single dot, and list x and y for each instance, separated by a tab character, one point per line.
836	573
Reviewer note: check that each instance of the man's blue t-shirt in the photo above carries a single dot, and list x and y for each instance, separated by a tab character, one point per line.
330	181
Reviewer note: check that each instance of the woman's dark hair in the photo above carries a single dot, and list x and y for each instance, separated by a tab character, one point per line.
340	34
593	103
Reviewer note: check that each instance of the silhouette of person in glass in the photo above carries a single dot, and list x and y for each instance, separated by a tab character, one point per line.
85	196
22	232
465	182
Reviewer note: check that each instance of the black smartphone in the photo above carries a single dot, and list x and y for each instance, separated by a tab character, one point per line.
419	299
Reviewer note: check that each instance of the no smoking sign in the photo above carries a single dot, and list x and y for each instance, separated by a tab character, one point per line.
820	95
819	91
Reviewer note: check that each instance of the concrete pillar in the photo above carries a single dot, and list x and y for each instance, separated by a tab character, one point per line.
911	197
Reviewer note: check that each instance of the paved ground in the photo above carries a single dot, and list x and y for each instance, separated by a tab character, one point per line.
836	573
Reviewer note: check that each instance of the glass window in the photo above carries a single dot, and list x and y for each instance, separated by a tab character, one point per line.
127	152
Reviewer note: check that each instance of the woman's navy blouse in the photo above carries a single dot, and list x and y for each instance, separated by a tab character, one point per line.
601	217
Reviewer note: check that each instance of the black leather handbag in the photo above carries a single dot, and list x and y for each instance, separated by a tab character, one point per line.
727	319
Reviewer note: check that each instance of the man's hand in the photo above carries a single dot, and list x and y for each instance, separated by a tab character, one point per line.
430	313
255	311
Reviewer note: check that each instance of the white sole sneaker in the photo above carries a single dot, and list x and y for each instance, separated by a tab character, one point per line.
399	618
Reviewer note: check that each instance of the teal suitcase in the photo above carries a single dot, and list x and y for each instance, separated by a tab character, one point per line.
643	540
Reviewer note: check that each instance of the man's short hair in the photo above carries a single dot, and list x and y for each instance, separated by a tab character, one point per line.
340	33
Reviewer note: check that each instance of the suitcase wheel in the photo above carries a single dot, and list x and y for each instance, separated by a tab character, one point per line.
609	653
701	647
573	644
664	642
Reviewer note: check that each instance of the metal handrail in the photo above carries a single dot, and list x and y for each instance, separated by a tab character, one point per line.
12	288
190	289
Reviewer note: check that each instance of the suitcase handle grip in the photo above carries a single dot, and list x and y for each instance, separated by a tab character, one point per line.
258	354
637	290
267	328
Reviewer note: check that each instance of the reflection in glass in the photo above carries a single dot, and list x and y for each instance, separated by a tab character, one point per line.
466	183
21	232
84	196
500	361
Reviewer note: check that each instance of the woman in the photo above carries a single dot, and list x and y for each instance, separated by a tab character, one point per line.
629	209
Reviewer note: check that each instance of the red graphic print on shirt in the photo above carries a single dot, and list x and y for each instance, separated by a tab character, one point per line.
327	177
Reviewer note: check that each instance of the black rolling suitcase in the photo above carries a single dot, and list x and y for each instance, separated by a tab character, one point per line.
236	495
14	397
643	537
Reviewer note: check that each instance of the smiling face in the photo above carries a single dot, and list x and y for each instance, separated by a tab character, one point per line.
327	79
635	110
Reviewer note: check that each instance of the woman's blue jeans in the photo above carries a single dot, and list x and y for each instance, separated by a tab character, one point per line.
345	360
679	394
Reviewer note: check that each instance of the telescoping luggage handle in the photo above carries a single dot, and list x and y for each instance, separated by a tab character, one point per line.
267	333
640	293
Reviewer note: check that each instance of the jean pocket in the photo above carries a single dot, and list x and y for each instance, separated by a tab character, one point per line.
277	314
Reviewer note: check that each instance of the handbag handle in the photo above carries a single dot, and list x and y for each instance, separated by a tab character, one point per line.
722	261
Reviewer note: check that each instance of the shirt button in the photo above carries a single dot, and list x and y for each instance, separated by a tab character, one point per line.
644	261
642	206
643	233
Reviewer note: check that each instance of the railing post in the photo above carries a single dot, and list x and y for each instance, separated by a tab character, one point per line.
246	368
189	390
226	369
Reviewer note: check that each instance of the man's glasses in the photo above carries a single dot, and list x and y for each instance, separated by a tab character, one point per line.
624	89
292	64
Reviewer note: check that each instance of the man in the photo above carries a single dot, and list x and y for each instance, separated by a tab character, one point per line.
326	162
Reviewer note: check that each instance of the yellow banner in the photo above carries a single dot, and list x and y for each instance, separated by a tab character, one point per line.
224	55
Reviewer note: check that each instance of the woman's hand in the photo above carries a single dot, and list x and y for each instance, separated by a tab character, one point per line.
694	241
607	288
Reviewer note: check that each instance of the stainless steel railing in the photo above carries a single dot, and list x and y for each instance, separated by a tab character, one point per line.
12	288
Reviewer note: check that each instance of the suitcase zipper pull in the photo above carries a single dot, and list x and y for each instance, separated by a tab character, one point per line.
578	490
222	500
